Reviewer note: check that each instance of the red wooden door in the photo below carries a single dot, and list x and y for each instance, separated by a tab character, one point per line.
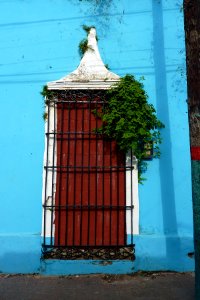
90	186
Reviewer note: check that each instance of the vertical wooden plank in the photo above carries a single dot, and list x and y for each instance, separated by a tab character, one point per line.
106	184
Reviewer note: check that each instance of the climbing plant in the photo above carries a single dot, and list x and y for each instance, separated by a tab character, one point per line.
47	95
83	45
130	120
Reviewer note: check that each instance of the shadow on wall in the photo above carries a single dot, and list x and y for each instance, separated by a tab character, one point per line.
165	164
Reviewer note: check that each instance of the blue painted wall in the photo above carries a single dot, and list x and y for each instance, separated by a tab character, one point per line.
39	43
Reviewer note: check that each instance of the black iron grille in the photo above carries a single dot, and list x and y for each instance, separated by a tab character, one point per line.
85	177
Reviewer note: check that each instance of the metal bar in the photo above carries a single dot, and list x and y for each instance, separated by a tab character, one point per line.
67	176
117	153
92	167
76	120
82	156
96	188
74	132
110	192
60	177
131	197
46	177
76	101
96	134
53	173
103	183
87	246
125	213
114	207
88	231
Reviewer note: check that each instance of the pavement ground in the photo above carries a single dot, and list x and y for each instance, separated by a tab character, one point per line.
141	286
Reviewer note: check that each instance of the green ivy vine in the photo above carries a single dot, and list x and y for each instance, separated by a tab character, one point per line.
127	118
83	45
131	121
47	95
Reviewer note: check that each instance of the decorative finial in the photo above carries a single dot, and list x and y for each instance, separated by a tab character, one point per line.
91	69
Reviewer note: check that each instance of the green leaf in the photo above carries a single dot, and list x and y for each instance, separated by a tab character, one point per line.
131	120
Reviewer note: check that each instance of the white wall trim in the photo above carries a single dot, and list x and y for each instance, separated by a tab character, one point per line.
50	174
81	85
132	226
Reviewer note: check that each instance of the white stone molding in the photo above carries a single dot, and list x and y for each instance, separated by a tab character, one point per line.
91	72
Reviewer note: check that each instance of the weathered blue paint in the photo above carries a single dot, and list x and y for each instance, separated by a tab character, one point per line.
20	253
164	252
39	43
71	267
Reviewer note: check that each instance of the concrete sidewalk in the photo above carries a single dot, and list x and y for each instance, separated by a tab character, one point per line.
141	286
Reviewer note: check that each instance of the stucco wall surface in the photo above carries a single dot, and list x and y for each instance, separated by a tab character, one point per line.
39	43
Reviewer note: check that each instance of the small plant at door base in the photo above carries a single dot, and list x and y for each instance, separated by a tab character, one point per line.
129	119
